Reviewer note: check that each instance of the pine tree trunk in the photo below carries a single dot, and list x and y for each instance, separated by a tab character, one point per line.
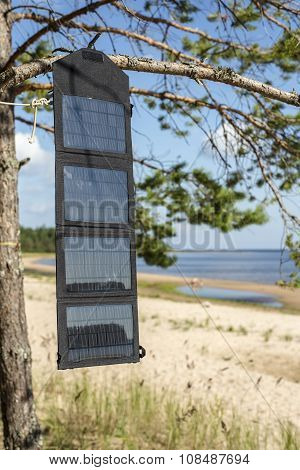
20	424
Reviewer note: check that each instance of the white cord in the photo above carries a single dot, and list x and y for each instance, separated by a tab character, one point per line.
34	105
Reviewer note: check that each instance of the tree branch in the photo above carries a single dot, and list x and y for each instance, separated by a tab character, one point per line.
166	95
17	75
262	165
30	123
181	27
118	31
283	6
29	7
53	25
274	20
32	86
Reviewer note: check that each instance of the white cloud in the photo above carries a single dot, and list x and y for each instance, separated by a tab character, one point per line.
36	182
40	158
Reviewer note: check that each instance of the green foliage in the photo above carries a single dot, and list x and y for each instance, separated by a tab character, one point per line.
79	415
150	238
246	18
40	50
38	240
272	145
197	197
151	103
294	247
182	10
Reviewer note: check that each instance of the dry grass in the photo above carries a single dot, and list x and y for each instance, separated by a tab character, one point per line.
134	416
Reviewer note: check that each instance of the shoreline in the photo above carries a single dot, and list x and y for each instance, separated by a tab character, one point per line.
289	297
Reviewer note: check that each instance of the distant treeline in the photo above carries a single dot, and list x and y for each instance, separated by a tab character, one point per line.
38	240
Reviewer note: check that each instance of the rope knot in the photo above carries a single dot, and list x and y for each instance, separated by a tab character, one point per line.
34	104
39	102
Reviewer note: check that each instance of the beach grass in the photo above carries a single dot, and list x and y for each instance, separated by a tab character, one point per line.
79	415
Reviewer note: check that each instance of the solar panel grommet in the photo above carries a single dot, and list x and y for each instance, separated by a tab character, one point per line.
142	352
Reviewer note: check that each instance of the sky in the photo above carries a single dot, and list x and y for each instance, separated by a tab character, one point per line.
36	183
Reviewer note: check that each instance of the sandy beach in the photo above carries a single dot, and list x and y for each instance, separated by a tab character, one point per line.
247	356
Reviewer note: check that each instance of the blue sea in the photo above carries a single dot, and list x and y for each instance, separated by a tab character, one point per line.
261	266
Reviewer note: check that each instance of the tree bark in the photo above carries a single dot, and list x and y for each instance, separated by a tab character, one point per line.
15	76
20	424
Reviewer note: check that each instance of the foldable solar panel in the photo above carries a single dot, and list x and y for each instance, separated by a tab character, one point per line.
96	260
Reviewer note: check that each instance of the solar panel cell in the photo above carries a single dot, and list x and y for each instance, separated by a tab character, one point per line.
95	195
93	124
97	264
100	331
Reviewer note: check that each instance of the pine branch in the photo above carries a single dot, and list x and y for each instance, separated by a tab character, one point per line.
117	31
274	20
283	6
166	95
265	174
202	34
53	25
33	86
44	127
17	75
